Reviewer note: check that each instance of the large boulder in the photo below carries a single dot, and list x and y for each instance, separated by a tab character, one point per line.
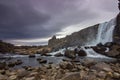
100	50
82	53
114	52
109	44
70	54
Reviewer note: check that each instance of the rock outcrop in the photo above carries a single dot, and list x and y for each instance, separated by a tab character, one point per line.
78	38
6	47
117	27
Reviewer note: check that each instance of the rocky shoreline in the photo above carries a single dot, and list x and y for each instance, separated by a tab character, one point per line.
65	70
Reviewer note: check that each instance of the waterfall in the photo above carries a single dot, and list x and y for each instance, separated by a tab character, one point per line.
105	32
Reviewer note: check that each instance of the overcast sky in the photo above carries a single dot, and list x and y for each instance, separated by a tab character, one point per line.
33	22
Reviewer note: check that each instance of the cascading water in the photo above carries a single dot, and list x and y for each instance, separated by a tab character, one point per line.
105	32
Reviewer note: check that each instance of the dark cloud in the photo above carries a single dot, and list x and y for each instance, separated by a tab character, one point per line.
33	19
15	22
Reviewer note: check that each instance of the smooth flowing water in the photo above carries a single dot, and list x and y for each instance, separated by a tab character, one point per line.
105	32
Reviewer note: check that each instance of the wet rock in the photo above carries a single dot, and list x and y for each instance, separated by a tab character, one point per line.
11	64
58	55
87	47
100	50
66	60
109	44
114	52
42	61
70	54
100	45
31	55
38	59
75	60
66	65
82	53
18	62
46	54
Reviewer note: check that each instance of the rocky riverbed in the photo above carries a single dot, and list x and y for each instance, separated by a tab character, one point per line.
89	69
72	65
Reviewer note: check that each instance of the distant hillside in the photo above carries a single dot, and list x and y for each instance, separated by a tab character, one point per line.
6	47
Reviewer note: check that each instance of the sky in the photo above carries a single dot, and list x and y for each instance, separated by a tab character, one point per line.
34	22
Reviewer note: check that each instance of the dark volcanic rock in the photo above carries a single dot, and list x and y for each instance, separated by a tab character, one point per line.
100	45
11	64
42	61
31	55
114	52
58	55
99	49
109	44
116	36
46	54
70	54
82	53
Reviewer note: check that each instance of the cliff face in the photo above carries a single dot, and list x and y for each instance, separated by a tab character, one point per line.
116	36
78	38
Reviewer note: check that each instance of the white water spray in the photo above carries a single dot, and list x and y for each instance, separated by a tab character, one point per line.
105	32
